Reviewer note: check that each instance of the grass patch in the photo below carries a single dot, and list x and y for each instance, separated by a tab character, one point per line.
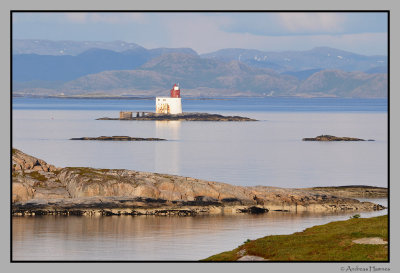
83	170
37	176
88	171
330	242
94	175
225	256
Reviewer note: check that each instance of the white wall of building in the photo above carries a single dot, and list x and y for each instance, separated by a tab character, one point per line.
168	105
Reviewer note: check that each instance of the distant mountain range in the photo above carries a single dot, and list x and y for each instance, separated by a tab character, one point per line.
116	68
35	67
59	48
317	58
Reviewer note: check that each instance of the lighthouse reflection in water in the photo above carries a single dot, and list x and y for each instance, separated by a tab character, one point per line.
167	155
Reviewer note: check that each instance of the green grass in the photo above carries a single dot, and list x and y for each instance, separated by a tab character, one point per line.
330	242
88	171
36	175
94	175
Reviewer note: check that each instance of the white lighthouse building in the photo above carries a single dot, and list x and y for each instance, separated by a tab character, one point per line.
172	104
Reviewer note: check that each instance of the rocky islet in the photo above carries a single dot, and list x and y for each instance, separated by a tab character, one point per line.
183	117
118	138
333	138
41	188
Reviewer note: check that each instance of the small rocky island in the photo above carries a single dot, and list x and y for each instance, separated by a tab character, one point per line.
334	138
118	138
39	188
182	117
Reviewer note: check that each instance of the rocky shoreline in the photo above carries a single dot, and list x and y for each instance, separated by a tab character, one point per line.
118	138
39	188
334	138
183	117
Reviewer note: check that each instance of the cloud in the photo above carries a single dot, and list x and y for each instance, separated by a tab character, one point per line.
312	22
206	34
76	17
109	18
197	31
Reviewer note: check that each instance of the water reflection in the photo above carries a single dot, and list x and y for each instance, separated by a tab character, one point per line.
167	154
168	129
152	237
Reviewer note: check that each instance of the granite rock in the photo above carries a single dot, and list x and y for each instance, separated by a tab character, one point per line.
35	186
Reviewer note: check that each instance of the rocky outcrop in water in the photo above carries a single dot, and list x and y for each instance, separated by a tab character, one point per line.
354	191
118	138
88	191
184	117
334	138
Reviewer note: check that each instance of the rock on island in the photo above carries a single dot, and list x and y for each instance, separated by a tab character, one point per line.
183	117
118	138
333	138
41	188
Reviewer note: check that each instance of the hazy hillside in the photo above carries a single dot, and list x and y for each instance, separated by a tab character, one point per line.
47	47
209	77
317	58
120	82
378	69
302	74
228	72
29	67
33	67
345	84
192	72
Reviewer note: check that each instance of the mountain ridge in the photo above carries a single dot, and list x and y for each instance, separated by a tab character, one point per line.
214	78
149	72
318	57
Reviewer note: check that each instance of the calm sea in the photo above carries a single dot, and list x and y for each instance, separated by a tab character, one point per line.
156	238
269	152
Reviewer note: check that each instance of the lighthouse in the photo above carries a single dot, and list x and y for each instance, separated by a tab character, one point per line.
170	105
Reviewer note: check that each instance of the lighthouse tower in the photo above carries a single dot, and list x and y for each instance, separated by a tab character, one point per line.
170	105
175	91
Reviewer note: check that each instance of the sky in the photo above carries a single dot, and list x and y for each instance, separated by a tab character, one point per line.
360	32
